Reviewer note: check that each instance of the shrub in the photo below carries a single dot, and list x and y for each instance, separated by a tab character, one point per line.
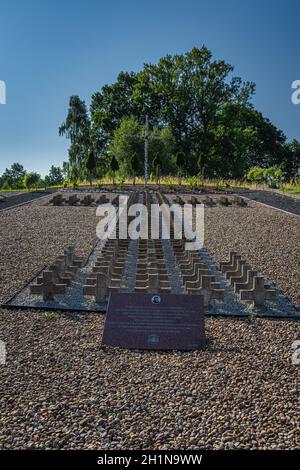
121	182
222	186
273	177
255	174
5	186
192	182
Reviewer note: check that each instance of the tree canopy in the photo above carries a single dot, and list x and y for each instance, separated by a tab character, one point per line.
55	176
13	176
196	101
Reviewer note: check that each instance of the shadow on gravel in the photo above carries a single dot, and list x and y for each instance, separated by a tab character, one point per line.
279	201
11	201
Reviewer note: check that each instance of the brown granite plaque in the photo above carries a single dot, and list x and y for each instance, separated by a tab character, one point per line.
154	321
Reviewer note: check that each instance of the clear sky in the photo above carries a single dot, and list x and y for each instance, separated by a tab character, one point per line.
51	49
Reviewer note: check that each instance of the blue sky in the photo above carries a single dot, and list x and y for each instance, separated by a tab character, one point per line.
50	50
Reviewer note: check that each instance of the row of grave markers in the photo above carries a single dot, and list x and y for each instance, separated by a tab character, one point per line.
246	282
209	201
87	200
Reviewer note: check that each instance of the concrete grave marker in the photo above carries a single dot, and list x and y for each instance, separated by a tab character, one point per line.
47	287
259	293
99	288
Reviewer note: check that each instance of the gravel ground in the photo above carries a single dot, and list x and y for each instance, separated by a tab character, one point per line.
60	390
33	235
10	194
13	199
287	203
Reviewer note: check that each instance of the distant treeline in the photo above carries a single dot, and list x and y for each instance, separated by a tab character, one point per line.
16	177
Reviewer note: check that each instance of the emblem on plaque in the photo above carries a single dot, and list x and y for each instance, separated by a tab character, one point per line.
153	339
155	299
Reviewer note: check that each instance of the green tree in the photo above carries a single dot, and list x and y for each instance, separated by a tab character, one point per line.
184	92
156	166
109	106
193	98
13	176
114	167
161	148
124	146
66	169
90	166
32	180
55	176
192	88
243	138
135	165
128	147
180	164
77	128
291	160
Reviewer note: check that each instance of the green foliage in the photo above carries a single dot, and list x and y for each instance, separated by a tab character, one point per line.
5	185
252	318
121	182
180	162
135	165
220	186
255	175
169	92
32	180
55	176
290	162
90	166
204	114
114	167
51	315
126	149
272	176
193	183
13	177
77	128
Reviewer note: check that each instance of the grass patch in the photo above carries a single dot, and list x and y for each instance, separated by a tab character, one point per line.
51	315
293	190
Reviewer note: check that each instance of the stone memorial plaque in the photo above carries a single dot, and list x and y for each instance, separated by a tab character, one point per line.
154	321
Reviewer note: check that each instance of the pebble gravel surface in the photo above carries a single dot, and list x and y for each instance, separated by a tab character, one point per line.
280	201
59	390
